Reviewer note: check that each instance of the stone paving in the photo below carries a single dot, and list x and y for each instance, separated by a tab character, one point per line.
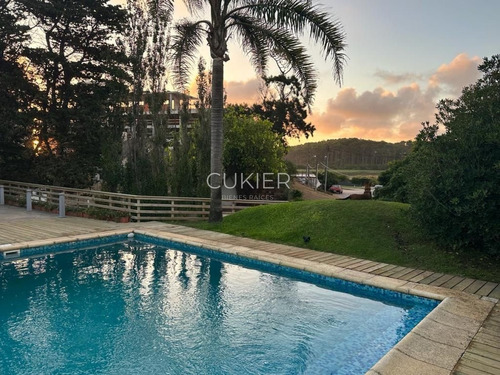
461	336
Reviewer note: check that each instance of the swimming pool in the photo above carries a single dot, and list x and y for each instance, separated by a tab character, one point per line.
151	306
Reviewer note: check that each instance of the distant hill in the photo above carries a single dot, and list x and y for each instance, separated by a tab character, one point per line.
349	153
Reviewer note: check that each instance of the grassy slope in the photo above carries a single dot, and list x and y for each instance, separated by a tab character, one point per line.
375	230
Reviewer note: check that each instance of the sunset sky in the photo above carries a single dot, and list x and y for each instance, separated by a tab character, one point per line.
403	56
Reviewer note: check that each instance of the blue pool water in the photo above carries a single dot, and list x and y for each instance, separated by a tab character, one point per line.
163	308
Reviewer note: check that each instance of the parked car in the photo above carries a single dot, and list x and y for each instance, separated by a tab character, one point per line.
336	189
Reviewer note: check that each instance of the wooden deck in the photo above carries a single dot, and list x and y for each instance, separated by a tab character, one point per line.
482	357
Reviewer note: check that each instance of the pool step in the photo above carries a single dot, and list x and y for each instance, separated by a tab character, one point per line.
12	254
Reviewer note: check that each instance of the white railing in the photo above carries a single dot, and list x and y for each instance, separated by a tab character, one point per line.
136	207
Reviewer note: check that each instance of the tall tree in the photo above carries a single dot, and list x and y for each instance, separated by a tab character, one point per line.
285	105
76	64
265	29
159	20
146	43
201	130
181	156
135	44
16	95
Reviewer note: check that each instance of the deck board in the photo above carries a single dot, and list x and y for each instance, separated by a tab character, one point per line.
419	277
392	271
384	269
487	288
495	293
441	280
432	277
463	284
401	273
453	281
475	286
365	266
375	267
411	275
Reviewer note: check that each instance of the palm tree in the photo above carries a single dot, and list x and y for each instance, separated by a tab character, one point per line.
266	29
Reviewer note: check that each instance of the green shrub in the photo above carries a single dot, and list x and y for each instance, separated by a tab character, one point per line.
454	176
294	195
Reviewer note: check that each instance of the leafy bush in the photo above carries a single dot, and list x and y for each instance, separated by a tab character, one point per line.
294	195
395	182
453	177
251	148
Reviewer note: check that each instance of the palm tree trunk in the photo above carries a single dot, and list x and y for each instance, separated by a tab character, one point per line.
216	140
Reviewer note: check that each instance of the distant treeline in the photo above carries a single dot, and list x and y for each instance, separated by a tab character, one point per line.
349	153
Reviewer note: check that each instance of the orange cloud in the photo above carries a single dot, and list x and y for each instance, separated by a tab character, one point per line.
392	115
460	72
239	92
377	114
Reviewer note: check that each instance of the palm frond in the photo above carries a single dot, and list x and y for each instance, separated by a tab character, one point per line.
261	41
298	16
185	42
252	41
288	48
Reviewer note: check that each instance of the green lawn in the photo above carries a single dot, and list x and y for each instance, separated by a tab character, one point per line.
375	230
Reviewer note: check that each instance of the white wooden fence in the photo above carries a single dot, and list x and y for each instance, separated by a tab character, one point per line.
137	207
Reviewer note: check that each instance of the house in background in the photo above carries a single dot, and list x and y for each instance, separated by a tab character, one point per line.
171	113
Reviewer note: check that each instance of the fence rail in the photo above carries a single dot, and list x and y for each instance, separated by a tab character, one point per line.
136	207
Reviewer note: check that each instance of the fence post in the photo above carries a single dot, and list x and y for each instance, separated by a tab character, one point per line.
172	209
29	207
2	196
62	205
203	209
138	210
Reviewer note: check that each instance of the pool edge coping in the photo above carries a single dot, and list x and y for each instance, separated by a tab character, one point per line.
457	318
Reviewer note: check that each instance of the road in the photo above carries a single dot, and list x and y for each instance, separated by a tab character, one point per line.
309	193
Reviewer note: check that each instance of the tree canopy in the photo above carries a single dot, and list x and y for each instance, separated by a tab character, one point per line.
452	177
82	83
251	146
63	75
17	92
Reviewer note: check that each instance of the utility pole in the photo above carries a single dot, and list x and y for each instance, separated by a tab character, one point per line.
316	179
307	174
326	171
316	184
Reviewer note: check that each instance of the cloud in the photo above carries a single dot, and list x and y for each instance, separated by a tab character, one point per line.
393	115
377	114
239	92
390	78
460	72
